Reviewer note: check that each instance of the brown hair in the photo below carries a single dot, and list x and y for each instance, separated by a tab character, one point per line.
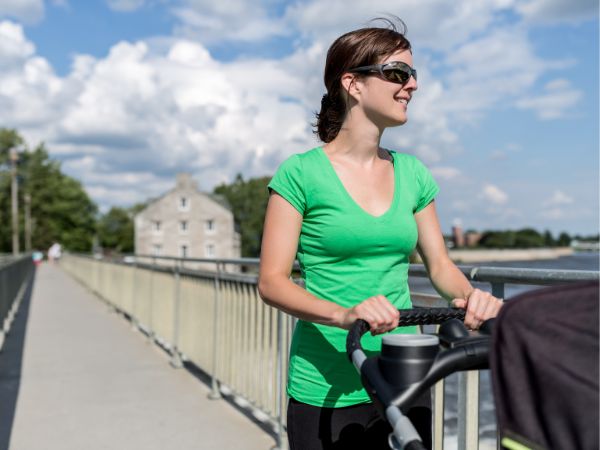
357	48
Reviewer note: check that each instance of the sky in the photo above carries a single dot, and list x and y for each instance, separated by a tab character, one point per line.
127	93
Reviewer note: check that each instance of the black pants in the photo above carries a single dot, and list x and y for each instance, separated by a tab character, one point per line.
352	427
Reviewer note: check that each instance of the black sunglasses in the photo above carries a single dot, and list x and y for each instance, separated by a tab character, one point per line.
394	71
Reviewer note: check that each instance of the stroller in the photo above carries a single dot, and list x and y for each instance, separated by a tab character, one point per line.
542	350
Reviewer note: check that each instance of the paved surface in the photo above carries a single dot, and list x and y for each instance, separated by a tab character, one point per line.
74	375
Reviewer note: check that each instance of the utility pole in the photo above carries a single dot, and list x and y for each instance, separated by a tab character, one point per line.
27	222
14	156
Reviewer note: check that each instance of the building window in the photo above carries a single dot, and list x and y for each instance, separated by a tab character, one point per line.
209	250
156	225
210	226
184	204
156	249
183	251
183	226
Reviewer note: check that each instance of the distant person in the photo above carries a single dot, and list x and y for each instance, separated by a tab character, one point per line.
352	212
54	252
37	257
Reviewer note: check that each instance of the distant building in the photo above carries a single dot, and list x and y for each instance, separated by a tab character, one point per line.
187	223
458	236
472	238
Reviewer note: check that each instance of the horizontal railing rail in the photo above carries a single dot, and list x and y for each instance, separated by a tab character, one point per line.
15	276
208	312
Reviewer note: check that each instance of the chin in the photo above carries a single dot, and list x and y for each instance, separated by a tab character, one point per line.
397	121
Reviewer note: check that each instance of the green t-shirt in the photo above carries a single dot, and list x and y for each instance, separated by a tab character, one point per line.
346	255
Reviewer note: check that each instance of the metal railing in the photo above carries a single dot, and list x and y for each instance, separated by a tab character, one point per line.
15	276
216	320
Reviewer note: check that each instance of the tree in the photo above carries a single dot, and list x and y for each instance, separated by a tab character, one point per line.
498	239
549	239
528	238
564	240
248	200
115	230
61	210
9	139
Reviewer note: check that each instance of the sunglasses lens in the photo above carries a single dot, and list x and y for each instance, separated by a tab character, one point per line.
397	75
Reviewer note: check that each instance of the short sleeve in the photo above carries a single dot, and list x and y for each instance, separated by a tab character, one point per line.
427	187
288	182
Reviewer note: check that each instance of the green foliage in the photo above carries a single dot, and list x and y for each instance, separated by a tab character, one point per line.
528	238
115	230
525	238
61	210
564	239
549	240
248	200
497	239
9	138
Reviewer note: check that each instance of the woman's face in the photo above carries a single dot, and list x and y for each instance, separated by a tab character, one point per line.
384	102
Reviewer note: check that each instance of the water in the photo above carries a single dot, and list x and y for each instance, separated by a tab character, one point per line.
487	419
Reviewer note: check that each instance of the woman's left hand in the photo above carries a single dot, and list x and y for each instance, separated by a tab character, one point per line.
480	306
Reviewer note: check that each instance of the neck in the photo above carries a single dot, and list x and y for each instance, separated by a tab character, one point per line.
359	139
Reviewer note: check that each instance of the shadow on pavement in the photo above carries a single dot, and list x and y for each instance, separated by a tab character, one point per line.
11	359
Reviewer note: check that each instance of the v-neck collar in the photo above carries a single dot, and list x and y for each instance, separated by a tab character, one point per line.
350	198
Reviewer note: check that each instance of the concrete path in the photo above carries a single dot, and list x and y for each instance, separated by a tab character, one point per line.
74	375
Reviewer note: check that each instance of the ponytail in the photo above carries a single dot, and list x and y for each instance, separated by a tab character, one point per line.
330	118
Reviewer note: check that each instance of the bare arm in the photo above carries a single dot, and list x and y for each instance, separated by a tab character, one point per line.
280	241
447	279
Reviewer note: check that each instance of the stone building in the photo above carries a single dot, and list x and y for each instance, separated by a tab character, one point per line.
187	223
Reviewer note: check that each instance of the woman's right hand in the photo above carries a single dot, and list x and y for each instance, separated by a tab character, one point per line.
377	311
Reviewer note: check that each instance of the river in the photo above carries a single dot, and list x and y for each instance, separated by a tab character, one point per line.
487	433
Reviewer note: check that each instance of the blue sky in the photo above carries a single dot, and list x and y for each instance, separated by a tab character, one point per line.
126	93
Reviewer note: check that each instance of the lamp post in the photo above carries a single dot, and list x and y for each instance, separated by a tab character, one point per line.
14	157
27	199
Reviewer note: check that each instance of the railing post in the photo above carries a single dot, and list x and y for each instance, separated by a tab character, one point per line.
282	441
175	356
151	301
215	393
498	289
134	318
468	410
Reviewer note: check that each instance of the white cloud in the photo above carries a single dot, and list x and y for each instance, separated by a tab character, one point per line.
558	198
553	213
493	194
445	173
125	5
557	101
27	11
235	20
14	47
555	11
160	112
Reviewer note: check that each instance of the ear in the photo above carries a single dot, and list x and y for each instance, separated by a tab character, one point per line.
350	84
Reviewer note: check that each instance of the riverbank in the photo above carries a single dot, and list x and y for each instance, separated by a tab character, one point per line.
487	255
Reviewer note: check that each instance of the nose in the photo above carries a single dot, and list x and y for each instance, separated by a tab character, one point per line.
411	84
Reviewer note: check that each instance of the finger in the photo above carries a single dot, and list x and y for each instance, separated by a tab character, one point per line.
469	316
459	303
472	310
372	314
492	305
391	312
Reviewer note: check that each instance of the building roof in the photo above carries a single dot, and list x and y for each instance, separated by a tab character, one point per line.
185	181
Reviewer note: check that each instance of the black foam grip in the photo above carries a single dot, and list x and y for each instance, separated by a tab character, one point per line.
408	317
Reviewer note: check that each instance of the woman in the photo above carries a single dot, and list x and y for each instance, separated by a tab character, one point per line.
352	213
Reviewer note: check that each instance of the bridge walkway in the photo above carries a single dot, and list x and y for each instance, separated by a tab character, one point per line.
74	375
